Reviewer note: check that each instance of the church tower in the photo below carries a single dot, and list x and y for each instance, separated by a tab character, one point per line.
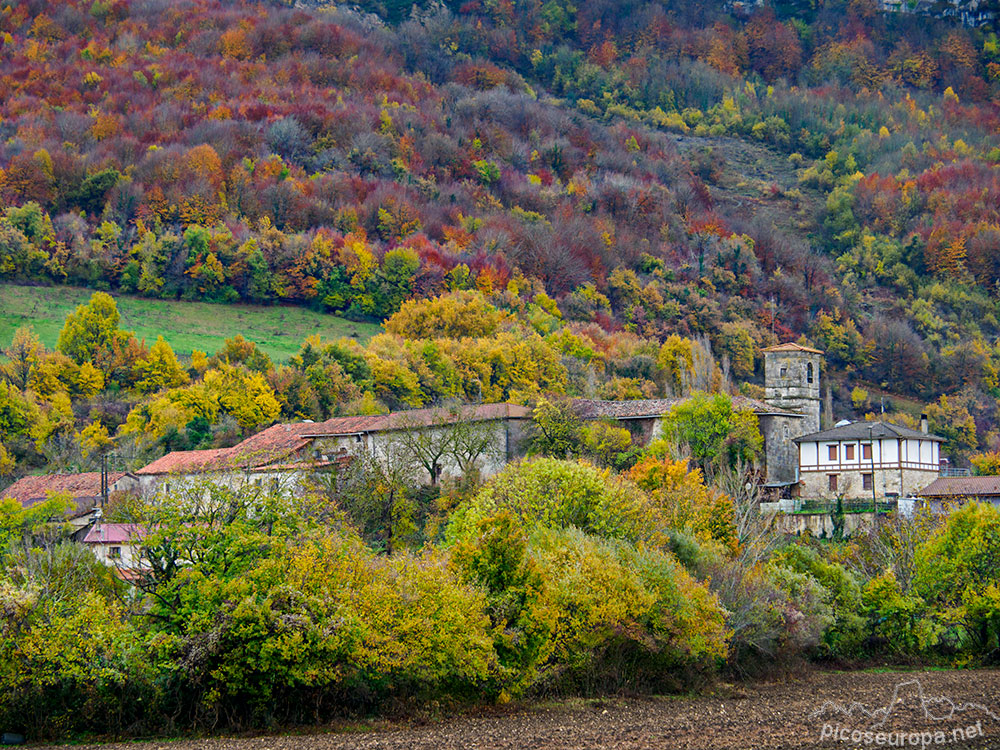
791	388
791	382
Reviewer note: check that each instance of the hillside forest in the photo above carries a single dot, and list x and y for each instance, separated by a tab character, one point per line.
813	170
535	201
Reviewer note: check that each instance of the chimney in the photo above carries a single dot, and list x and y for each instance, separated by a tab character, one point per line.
923	424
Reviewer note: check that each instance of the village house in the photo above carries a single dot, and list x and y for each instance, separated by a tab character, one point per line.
116	544
455	440
867	460
275	458
83	489
860	460
644	420
283	457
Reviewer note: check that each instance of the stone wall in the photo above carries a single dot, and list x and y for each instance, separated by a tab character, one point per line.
781	455
850	484
821	525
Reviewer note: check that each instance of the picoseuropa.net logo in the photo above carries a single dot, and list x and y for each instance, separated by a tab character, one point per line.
911	718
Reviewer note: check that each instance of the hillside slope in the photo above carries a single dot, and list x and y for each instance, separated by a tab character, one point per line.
666	168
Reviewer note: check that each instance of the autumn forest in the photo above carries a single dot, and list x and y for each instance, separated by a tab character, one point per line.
528	202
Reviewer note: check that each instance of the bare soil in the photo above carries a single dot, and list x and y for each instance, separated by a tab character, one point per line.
786	714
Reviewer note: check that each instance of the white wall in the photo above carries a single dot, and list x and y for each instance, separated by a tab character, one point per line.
174	484
129	556
886	453
390	446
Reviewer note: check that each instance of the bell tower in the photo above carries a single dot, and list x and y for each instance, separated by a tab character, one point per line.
791	382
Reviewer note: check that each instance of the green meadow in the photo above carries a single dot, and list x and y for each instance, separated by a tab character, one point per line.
278	331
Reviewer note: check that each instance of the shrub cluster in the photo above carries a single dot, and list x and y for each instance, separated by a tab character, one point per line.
258	611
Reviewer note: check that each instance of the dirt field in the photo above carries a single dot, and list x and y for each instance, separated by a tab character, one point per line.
927	708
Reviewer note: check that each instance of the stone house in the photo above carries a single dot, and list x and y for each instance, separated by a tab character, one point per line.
275	458
284	456
866	460
450	440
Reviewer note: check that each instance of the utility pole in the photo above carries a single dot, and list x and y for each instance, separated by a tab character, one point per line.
871	444
104	480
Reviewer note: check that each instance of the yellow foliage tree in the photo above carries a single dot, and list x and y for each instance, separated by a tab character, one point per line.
245	395
686	502
94	437
160	369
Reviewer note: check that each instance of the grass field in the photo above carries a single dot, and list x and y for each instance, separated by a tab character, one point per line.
279	331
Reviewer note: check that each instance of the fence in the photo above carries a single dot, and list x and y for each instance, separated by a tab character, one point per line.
845	506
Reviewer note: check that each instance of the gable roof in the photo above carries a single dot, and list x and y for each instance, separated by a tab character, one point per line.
866	430
962	487
651	408
273	444
792	347
277	446
644	408
402	420
84	488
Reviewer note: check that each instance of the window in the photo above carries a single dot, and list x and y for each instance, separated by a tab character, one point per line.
809	373
867	481
115	553
866	451
833	452
832	479
848	452
783	372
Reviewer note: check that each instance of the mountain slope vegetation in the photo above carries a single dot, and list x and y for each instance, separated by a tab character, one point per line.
647	169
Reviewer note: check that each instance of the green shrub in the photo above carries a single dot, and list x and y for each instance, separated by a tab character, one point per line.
553	493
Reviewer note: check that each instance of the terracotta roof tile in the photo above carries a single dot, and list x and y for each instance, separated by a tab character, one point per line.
184	461
114	533
266	447
418	418
791	347
84	488
280	444
962	487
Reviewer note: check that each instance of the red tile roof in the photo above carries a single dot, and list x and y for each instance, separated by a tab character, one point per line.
84	488
184	461
114	533
962	487
400	420
266	447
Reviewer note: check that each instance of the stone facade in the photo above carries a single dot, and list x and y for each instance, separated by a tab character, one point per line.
889	481
501	440
781	458
791	382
